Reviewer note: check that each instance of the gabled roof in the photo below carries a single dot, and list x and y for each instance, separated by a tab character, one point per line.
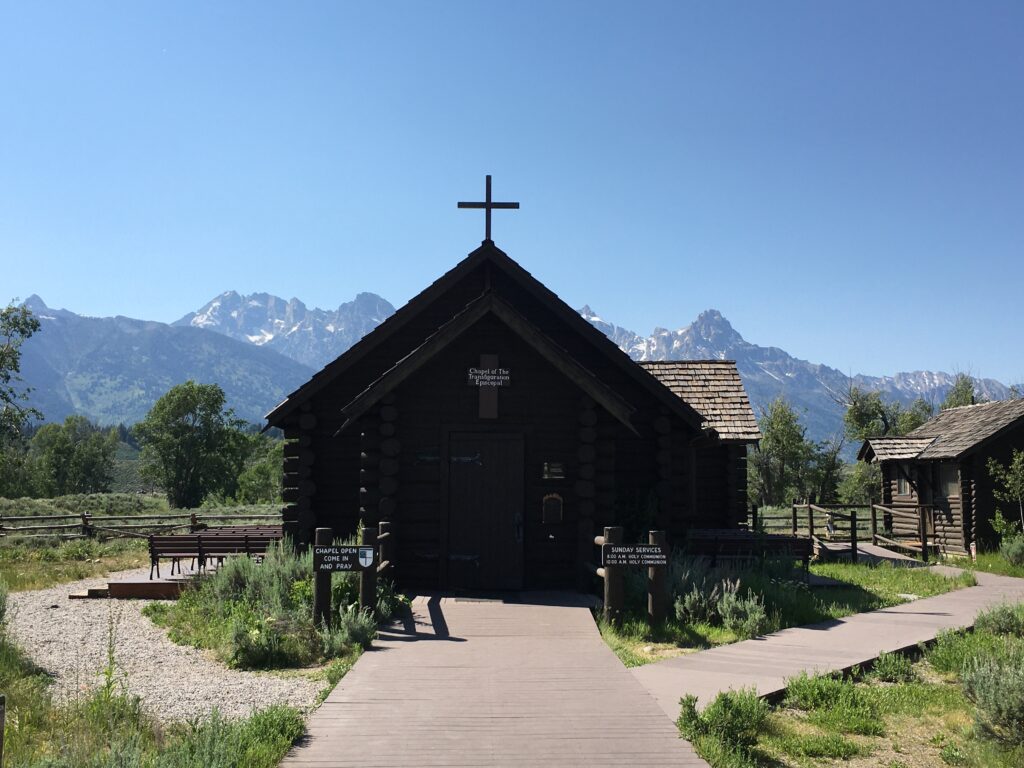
951	434
715	390
450	331
486	254
961	430
893	448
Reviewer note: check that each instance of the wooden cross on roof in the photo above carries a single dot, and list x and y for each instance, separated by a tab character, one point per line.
488	206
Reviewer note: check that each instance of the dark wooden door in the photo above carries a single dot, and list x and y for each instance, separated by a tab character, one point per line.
485	511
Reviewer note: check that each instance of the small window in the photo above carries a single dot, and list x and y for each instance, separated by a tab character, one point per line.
949	481
553	470
552	509
903	487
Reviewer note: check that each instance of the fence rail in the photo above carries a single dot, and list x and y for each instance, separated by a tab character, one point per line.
86	525
848	523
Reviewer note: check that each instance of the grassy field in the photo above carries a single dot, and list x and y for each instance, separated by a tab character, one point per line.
40	563
959	703
789	604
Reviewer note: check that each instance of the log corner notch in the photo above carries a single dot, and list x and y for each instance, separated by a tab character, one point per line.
298	489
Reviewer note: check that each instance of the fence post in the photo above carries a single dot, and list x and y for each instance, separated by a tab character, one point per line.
86	525
810	523
368	578
614	584
874	523
322	583
193	522
657	593
794	518
924	533
853	536
385	544
753	517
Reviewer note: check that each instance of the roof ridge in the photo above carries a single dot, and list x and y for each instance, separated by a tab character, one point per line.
687	360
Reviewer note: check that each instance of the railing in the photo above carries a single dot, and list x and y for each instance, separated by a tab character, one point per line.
922	518
87	525
825	523
613	577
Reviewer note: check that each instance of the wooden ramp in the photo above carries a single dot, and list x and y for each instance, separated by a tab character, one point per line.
528	682
837	645
867	552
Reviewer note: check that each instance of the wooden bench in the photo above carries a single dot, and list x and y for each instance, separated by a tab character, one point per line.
201	547
745	546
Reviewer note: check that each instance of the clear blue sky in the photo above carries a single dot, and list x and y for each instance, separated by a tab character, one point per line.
843	180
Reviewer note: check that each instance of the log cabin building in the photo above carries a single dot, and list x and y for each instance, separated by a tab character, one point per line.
499	431
941	467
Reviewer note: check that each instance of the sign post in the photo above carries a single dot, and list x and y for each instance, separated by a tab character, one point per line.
331	558
615	556
321	581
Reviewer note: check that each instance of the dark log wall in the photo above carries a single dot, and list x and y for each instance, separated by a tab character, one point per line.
949	531
388	465
554	416
1001	450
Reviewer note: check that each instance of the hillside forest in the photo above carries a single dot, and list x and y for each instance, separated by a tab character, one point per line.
191	447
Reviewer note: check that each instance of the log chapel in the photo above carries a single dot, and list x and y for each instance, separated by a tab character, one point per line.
498	431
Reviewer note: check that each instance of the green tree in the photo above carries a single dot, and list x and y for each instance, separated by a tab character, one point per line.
191	445
17	477
861	483
1009	481
961	393
260	481
779	464
74	457
16	325
868	415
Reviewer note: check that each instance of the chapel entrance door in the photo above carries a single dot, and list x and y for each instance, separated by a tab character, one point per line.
485	511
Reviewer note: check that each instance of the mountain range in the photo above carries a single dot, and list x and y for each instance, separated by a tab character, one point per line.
259	347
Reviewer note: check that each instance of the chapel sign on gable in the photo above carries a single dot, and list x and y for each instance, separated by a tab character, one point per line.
489	377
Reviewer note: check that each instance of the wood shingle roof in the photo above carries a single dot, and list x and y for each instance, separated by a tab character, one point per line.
950	434
894	448
715	390
958	430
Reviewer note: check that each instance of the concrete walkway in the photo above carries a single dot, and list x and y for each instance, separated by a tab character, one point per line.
488	683
766	662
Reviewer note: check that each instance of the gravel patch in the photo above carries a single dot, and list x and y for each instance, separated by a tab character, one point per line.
68	638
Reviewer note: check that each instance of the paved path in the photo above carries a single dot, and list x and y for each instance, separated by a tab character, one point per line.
766	662
491	684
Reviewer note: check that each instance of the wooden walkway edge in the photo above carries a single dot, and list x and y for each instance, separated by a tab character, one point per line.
527	682
838	645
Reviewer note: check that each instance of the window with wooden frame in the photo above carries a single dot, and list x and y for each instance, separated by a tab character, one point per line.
903	486
949	480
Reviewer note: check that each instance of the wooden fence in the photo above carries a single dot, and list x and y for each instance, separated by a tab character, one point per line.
847	523
87	525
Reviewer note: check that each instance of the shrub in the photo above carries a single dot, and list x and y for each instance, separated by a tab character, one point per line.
735	718
744	615
894	668
1012	548
259	615
996	686
1002	620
